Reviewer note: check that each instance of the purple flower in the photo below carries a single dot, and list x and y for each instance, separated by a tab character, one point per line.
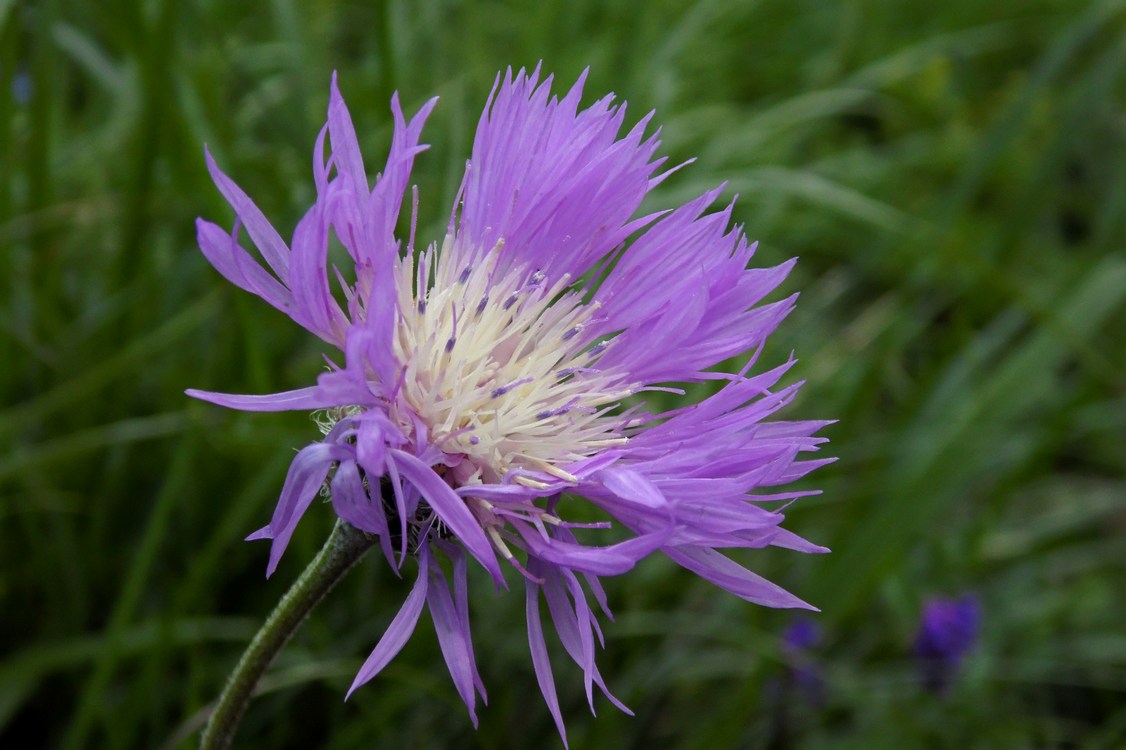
490	374
799	640
948	630
802	634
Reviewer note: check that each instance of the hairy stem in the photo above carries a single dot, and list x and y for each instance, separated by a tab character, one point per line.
344	548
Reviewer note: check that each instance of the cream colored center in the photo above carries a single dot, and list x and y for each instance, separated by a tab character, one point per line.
497	368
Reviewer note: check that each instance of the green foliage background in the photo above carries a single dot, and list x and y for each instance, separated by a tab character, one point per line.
952	177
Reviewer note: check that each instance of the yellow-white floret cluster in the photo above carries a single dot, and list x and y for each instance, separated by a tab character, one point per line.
497	368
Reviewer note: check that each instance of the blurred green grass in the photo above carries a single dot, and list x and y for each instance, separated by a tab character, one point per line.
951	177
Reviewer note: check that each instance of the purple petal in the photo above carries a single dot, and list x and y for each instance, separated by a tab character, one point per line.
456	647
575	626
540	659
345	147
558	185
400	629
261	232
400	510
235	264
305	477
314	306
453	511
631	485
729	575
352	502
461	597
789	540
603	561
302	399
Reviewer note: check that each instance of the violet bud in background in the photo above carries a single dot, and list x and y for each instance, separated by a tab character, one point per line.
800	689
800	635
799	639
948	630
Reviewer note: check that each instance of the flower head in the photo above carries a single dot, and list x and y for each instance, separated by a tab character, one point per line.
491	374
948	630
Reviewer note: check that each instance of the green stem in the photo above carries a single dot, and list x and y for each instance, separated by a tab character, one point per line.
345	546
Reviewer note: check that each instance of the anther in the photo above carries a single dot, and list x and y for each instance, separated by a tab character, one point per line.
453	335
498	392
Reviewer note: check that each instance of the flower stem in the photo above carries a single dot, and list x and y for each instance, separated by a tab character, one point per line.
344	548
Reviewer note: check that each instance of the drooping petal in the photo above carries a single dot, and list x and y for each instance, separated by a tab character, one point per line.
352	501
301	399
461	600
575	625
728	574
306	475
540	659
454	641
612	560
400	629
453	511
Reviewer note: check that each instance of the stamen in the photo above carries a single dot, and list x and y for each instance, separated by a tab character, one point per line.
453	336
555	471
494	534
532	483
498	392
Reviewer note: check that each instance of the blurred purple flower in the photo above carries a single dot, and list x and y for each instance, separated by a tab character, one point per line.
489	374
801	635
948	630
799	638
